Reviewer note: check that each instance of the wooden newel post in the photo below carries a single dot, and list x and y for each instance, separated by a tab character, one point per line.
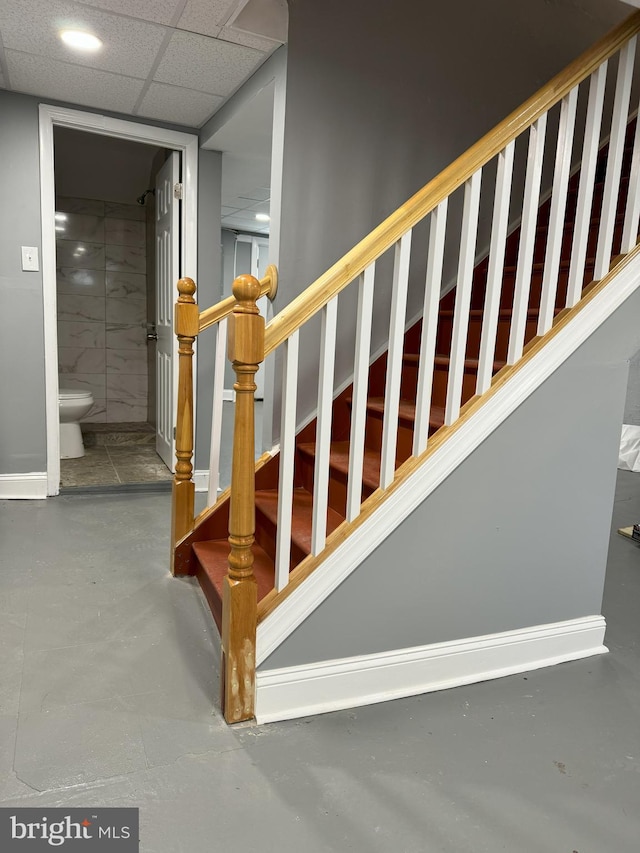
186	328
240	598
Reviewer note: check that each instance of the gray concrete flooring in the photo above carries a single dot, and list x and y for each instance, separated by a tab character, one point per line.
108	682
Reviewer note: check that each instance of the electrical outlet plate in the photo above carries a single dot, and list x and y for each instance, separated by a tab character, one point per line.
30	261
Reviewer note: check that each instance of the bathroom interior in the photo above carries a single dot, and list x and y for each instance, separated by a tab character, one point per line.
106	311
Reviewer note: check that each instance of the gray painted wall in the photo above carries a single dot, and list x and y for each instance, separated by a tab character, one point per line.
379	103
22	416
22	427
517	536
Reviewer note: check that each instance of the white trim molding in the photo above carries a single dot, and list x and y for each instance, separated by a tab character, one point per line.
363	541
317	688
201	480
187	145
32	486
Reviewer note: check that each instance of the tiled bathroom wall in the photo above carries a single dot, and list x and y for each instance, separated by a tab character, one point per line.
102	305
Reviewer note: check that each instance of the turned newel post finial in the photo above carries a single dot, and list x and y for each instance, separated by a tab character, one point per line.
246	352
186	290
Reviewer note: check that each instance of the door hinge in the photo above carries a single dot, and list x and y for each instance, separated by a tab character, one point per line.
177	191
174	433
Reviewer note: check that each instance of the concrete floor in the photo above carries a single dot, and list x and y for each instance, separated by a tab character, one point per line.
108	679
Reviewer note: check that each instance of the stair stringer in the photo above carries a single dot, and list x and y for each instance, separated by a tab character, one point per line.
418	478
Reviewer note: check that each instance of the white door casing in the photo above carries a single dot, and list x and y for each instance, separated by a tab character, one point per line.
167	240
187	145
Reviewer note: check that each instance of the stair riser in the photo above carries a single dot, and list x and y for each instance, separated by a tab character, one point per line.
474	336
373	437
266	534
337	483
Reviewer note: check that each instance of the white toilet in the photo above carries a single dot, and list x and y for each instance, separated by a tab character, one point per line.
73	405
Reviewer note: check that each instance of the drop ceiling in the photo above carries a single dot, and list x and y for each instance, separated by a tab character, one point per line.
175	61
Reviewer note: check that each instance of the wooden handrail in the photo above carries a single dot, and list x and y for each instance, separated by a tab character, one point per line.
351	265
210	316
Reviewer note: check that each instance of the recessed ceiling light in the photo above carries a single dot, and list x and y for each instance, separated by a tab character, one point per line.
263	217
80	40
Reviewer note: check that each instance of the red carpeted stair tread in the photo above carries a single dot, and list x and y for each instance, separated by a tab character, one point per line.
212	569
339	461
301	518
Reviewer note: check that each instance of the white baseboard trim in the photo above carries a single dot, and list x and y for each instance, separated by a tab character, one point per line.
31	486
317	688
355	548
201	479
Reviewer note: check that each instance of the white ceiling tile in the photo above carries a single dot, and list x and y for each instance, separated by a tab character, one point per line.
178	105
248	39
206	64
206	16
158	11
129	47
39	75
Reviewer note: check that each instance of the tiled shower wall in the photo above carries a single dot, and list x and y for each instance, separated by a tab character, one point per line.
102	305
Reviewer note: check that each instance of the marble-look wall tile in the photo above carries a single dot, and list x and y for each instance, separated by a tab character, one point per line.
79	254
86	206
81	281
126	411
131	285
85	334
82	360
124	232
77	226
97	413
125	258
73	307
102	302
124	211
129	361
93	382
121	386
131	312
126	337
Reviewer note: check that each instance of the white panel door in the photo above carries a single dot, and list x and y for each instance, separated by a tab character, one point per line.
167	274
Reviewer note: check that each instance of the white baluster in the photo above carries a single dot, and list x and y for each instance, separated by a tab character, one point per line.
585	190
360	386
394	360
323	426
463	297
632	214
496	268
614	160
428	337
527	239
216	411
558	210
287	459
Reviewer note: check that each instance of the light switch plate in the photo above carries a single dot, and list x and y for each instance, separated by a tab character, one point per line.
30	262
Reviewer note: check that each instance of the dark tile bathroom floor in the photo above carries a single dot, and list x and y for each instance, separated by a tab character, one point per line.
115	454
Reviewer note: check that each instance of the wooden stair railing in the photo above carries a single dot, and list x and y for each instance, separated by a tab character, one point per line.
437	369
188	323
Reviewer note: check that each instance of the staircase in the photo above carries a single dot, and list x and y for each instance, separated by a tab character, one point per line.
355	449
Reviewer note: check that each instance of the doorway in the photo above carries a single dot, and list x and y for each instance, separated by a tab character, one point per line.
164	143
